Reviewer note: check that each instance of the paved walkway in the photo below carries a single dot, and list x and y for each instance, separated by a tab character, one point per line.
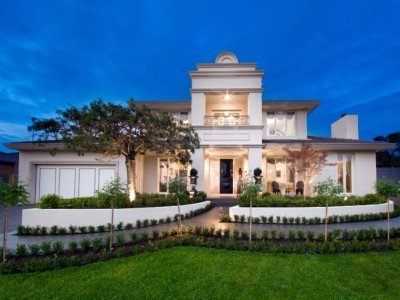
209	219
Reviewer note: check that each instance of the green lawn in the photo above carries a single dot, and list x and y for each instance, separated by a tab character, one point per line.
187	272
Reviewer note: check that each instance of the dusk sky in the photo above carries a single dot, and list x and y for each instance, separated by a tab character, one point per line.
59	53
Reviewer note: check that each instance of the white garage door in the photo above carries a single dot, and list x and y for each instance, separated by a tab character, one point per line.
71	181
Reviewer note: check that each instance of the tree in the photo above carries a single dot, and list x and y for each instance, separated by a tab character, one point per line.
115	130
307	162
389	158
11	194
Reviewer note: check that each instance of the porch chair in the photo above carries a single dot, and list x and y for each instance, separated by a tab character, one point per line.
299	188
275	188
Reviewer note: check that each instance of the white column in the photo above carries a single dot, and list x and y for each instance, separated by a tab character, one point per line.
198	109
255	108
254	160
198	164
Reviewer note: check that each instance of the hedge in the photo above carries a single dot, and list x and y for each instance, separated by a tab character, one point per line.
267	200
142	200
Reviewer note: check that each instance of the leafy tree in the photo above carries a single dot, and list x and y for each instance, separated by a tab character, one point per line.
307	162
11	194
391	157
115	130
328	188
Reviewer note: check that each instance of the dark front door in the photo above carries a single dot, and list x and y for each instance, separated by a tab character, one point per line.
226	176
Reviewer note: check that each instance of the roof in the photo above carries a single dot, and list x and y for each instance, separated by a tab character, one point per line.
177	105
327	143
308	105
9	158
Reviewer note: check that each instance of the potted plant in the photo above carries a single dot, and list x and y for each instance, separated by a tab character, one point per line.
257	175
193	176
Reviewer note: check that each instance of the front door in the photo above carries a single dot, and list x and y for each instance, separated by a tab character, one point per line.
226	177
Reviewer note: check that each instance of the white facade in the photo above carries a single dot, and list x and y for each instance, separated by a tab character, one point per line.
239	132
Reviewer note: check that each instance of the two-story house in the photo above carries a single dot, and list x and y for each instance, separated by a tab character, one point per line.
239	132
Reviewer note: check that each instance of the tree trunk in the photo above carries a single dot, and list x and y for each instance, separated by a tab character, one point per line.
5	233
112	228
179	214
388	221
326	221
250	218
131	170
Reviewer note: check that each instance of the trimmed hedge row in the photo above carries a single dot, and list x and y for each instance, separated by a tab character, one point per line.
142	200
268	200
225	218
56	230
49	256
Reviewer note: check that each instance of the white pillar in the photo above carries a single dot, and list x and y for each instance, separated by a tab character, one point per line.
198	164
254	160
255	108
198	109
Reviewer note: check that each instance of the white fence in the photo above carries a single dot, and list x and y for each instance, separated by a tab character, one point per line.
96	217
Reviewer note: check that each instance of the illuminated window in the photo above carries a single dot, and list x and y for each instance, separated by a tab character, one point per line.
345	172
281	124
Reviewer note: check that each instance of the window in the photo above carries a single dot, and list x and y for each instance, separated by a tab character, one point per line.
168	171
281	123
345	172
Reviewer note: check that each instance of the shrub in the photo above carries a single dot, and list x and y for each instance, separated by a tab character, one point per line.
225	217
45	247
58	247
97	243
264	219
129	226
54	230
227	233
244	235
101	228
301	235
265	234
328	188
133	236
72	229
50	201
281	235
113	194
153	222
62	230
155	234
291	235
168	220
236	234
387	188
120	240
34	249
82	229
120	226
145	222
91	229
21	250
144	236
85	244
73	246
271	219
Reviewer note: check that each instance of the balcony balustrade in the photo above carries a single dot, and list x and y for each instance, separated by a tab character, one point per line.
239	120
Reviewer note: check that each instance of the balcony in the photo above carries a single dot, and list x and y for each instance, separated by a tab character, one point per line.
231	120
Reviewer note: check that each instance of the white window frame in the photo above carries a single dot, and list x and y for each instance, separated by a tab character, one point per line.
285	113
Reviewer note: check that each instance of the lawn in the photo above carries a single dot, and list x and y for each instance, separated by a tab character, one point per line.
188	272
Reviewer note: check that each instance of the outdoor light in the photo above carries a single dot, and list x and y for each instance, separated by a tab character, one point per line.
227	97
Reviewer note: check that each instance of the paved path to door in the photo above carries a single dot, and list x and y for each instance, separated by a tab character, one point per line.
209	219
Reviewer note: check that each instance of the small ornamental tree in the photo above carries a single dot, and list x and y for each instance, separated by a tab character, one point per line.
11	194
307	162
115	130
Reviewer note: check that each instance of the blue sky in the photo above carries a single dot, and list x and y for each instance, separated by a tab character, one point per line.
59	53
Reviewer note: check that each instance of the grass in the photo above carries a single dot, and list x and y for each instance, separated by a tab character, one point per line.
188	272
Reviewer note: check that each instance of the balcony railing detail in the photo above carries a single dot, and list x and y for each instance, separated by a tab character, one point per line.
226	120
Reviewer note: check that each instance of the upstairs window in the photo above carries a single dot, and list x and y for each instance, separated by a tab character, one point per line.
281	124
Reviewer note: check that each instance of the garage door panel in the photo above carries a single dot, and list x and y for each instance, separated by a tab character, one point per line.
105	175
71	181
67	182
87	182
47	182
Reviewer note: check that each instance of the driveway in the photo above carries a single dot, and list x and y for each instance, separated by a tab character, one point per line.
209	219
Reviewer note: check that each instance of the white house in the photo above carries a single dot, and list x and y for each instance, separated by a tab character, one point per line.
239	132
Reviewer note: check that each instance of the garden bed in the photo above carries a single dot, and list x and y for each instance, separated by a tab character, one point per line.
49	256
66	217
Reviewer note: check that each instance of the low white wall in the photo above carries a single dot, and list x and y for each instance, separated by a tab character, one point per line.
310	212
96	217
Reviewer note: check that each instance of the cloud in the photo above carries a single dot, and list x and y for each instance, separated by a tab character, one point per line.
13	130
